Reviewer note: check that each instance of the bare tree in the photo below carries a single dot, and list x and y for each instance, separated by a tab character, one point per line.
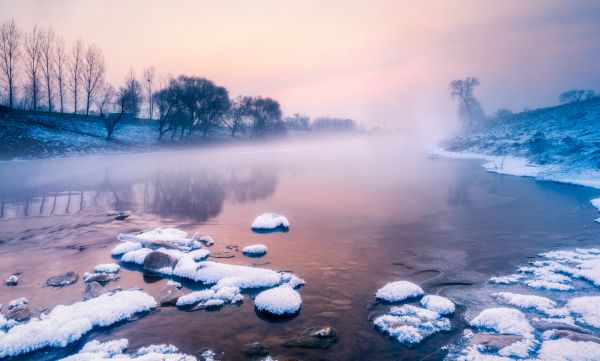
576	96
33	59
149	78
93	75
9	55
469	107
47	63
61	60
105	99
130	96
239	111
75	69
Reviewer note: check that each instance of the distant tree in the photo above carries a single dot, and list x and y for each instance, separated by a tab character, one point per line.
327	124
33	59
130	96
576	96
10	53
297	122
502	113
93	70
470	109
167	103
238	112
75	66
60	70
149	78
48	63
266	116
105	99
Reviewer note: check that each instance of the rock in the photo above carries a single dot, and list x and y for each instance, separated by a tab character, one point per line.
13	280
63	279
156	260
255	349
92	290
206	240
169	295
19	313
102	278
121	216
576	336
493	342
314	337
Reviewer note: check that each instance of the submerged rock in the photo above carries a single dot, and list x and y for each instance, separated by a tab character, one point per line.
169	295
315	337
157	261
92	290
13	280
63	279
255	349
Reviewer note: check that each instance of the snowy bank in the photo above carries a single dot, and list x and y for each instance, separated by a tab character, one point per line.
66	324
115	350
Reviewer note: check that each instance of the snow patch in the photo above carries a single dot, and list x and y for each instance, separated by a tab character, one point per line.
107	268
398	291
411	324
439	304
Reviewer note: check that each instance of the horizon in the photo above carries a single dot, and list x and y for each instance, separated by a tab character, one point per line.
391	71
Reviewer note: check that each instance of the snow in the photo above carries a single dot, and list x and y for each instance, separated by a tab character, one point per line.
115	350
398	291
439	304
533	302
215	296
568	350
68	323
107	268
279	300
255	250
503	320
172	236
124	247
12	280
136	256
586	309
411	324
270	221
507	280
291	279
17	302
226	275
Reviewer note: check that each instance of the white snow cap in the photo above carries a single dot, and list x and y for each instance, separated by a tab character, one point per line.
124	247
107	268
255	249
399	291
411	324
279	300
503	320
270	221
439	304
115	350
172	236
66	324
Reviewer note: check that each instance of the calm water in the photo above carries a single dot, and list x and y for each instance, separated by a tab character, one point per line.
362	212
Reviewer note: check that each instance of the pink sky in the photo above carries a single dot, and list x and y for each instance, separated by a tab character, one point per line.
380	62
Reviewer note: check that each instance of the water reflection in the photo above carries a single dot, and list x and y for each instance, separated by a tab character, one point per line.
196	193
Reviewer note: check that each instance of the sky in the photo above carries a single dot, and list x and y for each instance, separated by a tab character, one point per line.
383	63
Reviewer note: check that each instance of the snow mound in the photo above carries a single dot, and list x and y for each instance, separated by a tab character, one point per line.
411	324
279	300
215	296
567	350
168	236
537	303
439	304
503	320
398	291
255	250
269	221
125	247
586	310
107	268
115	350
66	324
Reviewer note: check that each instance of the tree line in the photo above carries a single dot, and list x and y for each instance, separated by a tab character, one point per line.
40	72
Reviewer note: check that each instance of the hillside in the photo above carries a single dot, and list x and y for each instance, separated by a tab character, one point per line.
563	140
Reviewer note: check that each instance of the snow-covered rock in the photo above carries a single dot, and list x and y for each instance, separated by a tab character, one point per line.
538	303
279	300
411	324
568	350
163	236
214	296
398	291
13	280
270	221
586	310
255	250
66	324
124	247
503	320
439	304
115	350
107	268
